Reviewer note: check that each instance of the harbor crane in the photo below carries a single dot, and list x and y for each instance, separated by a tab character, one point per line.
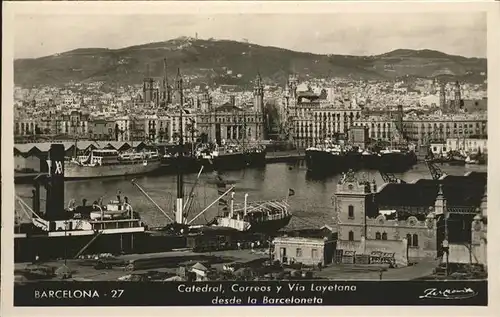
390	178
435	171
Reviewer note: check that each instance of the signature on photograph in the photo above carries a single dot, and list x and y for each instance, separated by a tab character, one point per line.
459	293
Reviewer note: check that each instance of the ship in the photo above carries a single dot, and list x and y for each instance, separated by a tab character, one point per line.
109	162
266	217
230	157
396	159
62	231
325	158
340	158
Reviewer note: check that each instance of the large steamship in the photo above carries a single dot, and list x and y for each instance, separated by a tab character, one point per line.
59	231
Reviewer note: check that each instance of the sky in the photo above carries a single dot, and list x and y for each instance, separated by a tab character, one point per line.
458	33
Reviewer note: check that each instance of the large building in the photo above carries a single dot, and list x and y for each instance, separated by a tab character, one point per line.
311	118
412	220
423	129
229	123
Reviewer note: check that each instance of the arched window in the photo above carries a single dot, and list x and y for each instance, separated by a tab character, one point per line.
408	237
350	212
351	236
377	235
384	236
415	240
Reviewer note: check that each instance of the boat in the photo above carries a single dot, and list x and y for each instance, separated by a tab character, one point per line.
61	231
396	159
230	157
265	217
325	158
109	162
455	158
334	157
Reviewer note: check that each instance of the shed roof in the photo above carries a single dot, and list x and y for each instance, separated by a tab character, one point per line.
466	190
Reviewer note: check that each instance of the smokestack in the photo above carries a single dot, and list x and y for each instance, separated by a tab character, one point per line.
55	191
232	100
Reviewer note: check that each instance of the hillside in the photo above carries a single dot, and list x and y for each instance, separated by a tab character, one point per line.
220	62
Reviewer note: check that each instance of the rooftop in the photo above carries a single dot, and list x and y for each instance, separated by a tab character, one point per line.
459	191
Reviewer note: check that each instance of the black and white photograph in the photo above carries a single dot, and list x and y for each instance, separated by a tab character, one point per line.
248	157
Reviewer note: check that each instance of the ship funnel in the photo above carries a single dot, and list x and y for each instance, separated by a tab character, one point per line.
55	190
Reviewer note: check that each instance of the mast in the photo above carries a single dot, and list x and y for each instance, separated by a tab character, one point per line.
244	128
76	148
180	182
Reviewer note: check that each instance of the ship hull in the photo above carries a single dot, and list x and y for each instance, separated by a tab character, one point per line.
320	161
26	248
188	165
370	161
234	161
270	226
73	171
326	162
397	162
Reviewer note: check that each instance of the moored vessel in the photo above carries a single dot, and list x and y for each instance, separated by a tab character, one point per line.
109	162
230	157
60	231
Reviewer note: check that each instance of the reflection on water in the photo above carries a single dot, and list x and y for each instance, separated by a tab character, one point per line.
311	204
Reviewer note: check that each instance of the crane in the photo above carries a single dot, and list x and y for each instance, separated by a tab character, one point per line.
391	178
435	171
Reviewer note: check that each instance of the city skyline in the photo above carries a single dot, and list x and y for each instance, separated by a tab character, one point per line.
338	33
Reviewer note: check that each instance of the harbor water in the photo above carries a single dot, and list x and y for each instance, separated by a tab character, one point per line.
311	204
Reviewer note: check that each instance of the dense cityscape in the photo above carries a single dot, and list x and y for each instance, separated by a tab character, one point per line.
301	111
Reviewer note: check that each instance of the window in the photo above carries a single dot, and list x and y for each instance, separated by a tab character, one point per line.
408	237
314	253
350	212
415	240
351	236
384	236
298	252
377	236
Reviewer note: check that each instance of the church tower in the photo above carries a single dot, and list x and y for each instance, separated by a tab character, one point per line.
178	89
165	88
353	204
442	96
206	101
458	96
293	82
148	87
258	95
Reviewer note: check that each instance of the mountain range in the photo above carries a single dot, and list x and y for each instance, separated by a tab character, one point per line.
232	62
